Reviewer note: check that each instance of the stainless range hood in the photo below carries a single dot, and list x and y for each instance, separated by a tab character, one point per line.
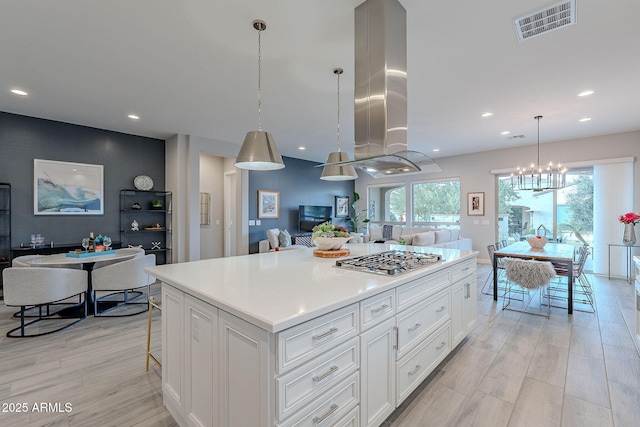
381	93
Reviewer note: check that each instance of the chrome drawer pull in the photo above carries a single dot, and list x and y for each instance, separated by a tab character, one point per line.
418	367
467	288
319	378
379	309
318	420
441	309
326	334
416	326
441	346
466	269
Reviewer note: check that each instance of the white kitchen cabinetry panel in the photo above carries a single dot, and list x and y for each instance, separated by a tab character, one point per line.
245	378
419	289
463	269
201	355
464	308
418	364
419	321
377	369
173	362
304	342
329	407
377	308
352	419
298	387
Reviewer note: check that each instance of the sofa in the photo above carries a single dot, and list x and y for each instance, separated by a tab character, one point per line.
280	239
419	236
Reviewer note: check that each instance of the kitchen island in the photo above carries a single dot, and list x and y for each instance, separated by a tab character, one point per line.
286	338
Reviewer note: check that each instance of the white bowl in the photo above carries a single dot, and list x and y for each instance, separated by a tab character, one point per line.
330	243
537	243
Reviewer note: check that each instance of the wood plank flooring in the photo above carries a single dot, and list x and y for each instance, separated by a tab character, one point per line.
513	370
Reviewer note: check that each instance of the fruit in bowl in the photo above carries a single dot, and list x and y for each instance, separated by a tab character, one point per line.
537	243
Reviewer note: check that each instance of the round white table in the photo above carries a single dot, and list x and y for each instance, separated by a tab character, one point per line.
87	263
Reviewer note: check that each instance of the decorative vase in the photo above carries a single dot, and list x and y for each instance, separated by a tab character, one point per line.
629	236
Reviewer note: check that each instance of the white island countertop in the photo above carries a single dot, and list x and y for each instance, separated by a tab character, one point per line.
278	290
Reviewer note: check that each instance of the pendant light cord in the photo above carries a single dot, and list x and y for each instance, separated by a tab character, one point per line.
538	119
338	73
259	78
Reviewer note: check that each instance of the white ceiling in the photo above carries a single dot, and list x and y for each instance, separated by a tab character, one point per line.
190	67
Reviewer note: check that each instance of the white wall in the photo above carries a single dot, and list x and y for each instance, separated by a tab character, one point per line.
474	171
183	179
211	181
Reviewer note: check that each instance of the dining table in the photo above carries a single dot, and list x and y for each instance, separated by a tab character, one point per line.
556	253
86	261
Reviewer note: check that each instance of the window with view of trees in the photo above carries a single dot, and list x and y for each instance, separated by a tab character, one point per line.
388	203
436	202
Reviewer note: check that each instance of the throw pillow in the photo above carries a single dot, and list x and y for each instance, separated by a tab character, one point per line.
284	238
375	232
272	236
408	238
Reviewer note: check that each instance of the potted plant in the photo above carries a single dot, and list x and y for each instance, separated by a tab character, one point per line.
156	204
355	219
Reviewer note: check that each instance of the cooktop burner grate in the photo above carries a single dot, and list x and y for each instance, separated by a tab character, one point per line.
389	263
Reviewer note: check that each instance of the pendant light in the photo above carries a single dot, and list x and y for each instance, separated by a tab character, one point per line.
537	177
335	172
259	151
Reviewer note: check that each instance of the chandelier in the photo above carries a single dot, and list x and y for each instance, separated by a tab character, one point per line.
539	177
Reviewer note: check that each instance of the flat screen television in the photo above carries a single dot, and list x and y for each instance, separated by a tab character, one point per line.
309	216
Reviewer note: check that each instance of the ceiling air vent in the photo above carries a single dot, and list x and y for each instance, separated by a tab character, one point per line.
544	20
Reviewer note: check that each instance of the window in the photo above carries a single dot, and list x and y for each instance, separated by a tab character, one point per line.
388	203
436	203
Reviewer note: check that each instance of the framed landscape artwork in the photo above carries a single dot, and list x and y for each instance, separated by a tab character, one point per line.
475	203
62	188
268	204
342	206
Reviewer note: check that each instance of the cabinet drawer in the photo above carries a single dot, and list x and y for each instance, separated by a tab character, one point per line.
331	406
419	321
352	419
310	339
463	269
415	367
377	308
415	291
301	385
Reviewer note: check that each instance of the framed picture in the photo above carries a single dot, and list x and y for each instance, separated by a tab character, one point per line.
268	204
62	188
342	206
475	203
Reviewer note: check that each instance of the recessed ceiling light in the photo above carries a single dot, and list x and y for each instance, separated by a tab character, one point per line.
506	132
302	148
487	114
585	119
19	92
133	117
586	93
435	150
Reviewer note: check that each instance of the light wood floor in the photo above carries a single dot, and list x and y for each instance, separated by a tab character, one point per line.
513	369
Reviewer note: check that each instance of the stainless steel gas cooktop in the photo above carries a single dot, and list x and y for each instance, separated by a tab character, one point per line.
390	263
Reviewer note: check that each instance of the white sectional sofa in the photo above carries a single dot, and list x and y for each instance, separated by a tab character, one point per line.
419	236
274	240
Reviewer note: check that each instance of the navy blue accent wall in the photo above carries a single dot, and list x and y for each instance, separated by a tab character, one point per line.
123	156
299	183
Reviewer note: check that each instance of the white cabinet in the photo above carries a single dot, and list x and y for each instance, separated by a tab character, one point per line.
378	372
190	358
350	367
245	383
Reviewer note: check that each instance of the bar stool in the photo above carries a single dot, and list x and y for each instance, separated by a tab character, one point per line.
153	302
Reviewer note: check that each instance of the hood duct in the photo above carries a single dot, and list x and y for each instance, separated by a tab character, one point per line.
381	93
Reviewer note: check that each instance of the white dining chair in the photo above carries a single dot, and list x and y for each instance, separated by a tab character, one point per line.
28	287
123	281
526	275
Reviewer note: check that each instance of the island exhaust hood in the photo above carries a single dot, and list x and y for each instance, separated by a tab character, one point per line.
381	93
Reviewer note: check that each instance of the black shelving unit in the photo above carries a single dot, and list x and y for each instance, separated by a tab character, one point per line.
5	230
151	210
